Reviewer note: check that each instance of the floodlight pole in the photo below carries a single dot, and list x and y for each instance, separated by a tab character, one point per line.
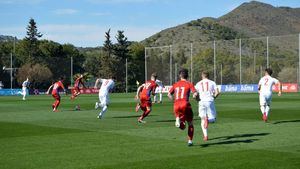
170	48
11	69
71	71
299	62
215	71
240	43
126	82
221	74
191	63
267	51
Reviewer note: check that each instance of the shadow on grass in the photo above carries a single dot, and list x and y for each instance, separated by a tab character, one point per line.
168	121
286	121
128	117
240	136
229	142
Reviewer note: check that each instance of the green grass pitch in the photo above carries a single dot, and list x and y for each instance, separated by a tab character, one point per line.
32	136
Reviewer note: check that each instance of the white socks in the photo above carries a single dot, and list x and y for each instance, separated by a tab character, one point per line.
204	130
160	97
267	109
262	109
103	111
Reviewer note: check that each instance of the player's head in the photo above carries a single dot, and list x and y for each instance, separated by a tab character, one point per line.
183	73
205	75
268	71
27	79
81	76
153	76
61	79
113	78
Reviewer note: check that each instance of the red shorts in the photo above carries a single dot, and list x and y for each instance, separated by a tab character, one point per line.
145	102
184	110
56	96
76	89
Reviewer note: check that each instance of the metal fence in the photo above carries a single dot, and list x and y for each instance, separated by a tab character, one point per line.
238	61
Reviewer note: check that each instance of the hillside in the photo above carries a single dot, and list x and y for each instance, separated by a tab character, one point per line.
250	19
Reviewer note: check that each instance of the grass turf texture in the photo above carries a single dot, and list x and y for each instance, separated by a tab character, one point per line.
32	136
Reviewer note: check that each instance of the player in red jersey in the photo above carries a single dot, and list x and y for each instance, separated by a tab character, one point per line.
182	107
144	95
57	86
76	90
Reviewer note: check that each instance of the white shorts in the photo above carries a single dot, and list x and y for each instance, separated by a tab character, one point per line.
158	89
24	90
104	100
265	99
207	109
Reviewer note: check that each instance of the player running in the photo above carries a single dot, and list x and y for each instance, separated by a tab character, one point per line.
107	86
182	107
76	90
207	91
25	84
57	87
158	90
144	95
265	86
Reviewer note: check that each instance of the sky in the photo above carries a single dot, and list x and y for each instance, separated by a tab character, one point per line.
83	22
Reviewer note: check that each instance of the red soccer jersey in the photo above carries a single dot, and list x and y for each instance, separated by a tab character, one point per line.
149	88
78	81
57	86
182	90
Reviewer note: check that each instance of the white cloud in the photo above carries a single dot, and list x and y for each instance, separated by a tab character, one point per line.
65	11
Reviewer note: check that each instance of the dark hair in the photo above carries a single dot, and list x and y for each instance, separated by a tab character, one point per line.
184	73
269	71
154	75
206	74
113	77
61	78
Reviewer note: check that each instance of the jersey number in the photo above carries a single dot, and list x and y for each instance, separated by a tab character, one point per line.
179	92
266	82
106	82
147	85
203	86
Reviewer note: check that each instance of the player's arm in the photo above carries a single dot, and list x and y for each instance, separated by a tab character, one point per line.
64	89
138	91
217	93
196	96
50	87
96	83
280	88
171	92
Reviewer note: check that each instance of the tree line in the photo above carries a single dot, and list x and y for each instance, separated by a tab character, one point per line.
45	61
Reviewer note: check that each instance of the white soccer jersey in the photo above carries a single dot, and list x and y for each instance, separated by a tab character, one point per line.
206	89
25	83
106	86
159	83
266	84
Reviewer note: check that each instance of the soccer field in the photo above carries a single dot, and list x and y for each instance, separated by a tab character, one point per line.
32	136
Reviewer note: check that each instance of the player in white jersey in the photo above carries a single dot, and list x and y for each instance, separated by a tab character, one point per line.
158	90
107	86
207	91
25	84
265	87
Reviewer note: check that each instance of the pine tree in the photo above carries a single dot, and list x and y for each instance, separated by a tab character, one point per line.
108	46
32	40
121	48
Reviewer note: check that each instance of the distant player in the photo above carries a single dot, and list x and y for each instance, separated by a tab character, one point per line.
57	87
265	86
76	90
158	90
207	91
107	86
144	96
182	108
25	84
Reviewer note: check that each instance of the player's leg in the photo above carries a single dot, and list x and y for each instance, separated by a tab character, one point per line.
160	97
146	112
104	100
204	119
268	104
176	114
263	103
155	98
189	118
56	102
